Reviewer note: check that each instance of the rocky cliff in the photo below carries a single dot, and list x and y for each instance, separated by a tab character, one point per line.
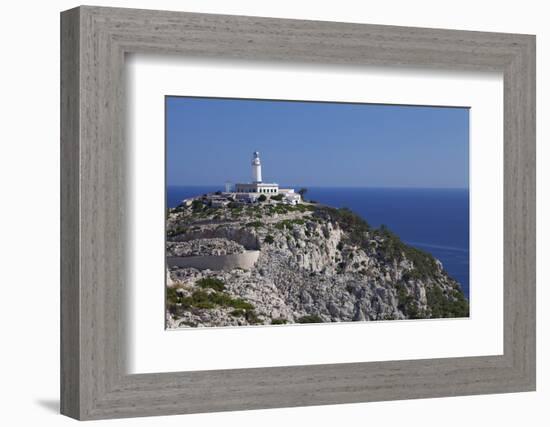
316	264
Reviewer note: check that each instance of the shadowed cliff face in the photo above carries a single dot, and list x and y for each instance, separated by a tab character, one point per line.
316	264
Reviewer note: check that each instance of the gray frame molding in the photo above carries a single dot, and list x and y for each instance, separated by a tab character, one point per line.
94	41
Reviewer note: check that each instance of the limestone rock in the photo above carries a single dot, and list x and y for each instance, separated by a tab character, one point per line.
315	263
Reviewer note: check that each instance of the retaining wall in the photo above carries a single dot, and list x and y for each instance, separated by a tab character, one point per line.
244	260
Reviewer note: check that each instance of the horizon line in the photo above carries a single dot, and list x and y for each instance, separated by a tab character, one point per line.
333	186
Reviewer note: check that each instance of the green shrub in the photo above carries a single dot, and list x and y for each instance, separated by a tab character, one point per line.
355	227
207	300
282	209
254	224
187	323
237	313
176	231
277	197
412	274
262	198
172	296
269	239
441	305
199	299
179	208
197	205
225	300
406	303
279	321
303	208
237	303
251	317
288	223
391	247
280	226
311	318
210	282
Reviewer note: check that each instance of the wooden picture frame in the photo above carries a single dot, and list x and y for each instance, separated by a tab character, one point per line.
94	41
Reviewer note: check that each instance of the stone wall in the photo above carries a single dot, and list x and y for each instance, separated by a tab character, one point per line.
244	260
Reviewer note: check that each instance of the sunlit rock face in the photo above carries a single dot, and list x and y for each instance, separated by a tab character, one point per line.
315	264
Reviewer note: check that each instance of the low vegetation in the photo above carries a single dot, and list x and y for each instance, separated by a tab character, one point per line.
289	223
391	247
387	244
310	318
406	303
255	224
250	315
176	231
441	305
355	227
210	283
209	296
197	205
208	300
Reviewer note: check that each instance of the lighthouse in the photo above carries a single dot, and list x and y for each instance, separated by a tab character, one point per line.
250	192
256	168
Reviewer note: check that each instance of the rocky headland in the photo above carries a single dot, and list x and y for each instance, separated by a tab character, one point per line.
315	264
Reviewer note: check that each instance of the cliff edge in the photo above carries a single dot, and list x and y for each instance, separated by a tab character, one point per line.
315	264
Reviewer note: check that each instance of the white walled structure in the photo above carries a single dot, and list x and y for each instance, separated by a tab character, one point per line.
246	261
250	192
257	186
290	196
262	188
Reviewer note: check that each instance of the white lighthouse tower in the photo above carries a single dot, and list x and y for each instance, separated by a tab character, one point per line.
250	192
256	168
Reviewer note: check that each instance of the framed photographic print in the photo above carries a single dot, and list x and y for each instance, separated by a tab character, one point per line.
261	213
256	252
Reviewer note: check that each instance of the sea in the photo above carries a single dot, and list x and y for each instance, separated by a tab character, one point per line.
434	220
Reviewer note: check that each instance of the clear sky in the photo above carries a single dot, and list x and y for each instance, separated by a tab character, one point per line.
210	141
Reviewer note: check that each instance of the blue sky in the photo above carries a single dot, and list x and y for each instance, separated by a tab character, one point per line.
210	141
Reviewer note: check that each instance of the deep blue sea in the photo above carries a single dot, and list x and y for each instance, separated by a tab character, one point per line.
435	220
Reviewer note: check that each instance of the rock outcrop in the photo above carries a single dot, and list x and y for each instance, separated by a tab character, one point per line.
201	247
316	264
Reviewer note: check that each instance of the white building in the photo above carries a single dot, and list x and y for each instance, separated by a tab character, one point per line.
257	186
290	196
252	190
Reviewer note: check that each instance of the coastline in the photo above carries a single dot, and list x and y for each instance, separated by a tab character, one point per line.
434	220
